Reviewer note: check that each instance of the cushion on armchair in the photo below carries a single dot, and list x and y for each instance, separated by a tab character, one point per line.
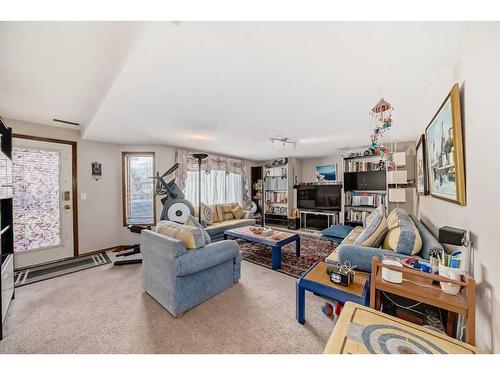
211	255
375	230
192	237
193	221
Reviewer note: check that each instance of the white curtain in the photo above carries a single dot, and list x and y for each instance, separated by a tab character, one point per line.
223	179
216	187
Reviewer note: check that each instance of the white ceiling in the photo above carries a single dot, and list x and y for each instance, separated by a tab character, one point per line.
59	69
226	87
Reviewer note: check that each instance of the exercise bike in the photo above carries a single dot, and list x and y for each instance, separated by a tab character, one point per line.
175	208
134	249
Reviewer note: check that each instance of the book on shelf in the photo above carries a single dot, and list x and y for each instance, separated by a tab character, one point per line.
276	197
277	210
358	198
363	166
280	171
356	215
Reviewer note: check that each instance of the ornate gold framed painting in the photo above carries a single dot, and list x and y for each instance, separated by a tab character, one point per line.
445	151
421	167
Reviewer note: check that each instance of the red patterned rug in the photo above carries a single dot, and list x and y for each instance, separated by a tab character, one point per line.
312	249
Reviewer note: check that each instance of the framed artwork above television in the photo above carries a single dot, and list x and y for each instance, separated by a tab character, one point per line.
326	172
445	151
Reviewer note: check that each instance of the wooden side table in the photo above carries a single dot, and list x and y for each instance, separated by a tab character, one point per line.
418	286
317	281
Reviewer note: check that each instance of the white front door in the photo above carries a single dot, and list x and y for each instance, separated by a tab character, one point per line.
42	201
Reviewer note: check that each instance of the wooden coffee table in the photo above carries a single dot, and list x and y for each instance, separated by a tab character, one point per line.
276	245
317	281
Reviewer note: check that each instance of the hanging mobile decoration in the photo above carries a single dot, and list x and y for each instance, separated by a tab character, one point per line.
382	121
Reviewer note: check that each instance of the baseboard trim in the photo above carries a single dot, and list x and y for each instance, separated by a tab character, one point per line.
114	249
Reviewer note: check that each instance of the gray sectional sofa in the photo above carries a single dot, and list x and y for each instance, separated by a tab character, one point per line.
361	256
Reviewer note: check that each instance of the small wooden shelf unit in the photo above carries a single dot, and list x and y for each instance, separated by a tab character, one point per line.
418	286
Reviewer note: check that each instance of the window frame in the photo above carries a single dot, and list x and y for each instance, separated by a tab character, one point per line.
125	155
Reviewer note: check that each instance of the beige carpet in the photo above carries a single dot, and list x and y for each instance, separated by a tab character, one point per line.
104	310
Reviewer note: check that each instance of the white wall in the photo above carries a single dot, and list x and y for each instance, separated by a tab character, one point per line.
476	69
309	167
100	222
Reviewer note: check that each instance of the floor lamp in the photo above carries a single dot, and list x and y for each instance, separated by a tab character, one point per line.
200	158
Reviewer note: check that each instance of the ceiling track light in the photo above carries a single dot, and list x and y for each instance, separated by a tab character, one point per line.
284	141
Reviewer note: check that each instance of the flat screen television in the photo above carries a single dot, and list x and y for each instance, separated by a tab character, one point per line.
319	197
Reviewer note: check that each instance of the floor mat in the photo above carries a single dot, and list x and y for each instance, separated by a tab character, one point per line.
35	274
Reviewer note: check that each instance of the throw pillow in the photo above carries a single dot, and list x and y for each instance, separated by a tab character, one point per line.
207	213
375	229
224	212
189	235
216	213
393	217
193	221
352	236
338	231
238	212
404	238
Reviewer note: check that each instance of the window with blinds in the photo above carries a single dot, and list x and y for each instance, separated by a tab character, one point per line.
138	188
36	199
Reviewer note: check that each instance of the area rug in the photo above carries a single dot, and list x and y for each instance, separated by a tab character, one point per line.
30	275
312	249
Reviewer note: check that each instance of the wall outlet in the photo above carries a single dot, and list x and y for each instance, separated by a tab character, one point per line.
83	196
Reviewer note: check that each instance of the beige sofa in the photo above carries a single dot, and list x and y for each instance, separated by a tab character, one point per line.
224	219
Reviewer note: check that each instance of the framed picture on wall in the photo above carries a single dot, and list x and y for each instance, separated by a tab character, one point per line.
445	153
326	172
421	167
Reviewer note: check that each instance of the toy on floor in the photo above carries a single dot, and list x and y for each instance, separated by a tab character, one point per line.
327	309
332	310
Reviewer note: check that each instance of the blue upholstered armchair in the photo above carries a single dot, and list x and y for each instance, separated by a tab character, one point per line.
180	279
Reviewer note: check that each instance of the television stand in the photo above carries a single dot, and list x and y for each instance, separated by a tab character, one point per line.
318	220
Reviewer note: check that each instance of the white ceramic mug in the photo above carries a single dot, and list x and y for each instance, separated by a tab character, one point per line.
453	274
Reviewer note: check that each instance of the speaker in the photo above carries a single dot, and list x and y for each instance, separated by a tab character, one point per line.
452	236
293	223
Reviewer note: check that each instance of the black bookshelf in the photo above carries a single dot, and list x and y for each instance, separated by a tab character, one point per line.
365	180
6	227
257	192
363	174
